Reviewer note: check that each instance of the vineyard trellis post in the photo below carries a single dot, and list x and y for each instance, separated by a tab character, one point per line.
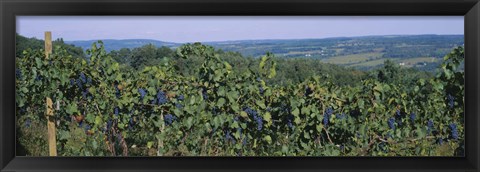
52	140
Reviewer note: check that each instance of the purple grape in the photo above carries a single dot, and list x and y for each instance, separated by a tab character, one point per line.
429	126
161	97
181	97
142	93
18	74
169	118
326	116
391	123
451	100
454	131
412	117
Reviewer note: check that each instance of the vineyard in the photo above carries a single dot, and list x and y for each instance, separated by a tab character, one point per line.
102	109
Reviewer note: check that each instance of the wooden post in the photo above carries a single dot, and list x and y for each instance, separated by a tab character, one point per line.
52	138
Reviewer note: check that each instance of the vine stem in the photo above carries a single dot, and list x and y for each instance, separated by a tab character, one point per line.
205	146
98	109
328	135
185	137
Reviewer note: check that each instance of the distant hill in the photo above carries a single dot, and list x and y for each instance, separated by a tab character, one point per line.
365	52
394	45
113	44
424	52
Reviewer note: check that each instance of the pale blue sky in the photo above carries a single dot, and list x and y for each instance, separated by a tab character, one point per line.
220	28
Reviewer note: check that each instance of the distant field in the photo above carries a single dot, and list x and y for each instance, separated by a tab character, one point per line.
302	53
410	62
371	63
353	58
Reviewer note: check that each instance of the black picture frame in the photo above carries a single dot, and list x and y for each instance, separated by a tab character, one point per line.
470	9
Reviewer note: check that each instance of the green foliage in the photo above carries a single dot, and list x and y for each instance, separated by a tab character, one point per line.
32	137
104	110
287	71
23	43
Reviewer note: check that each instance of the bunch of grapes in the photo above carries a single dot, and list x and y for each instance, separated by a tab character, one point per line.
289	117
429	126
398	116
261	90
181	97
86	93
326	116
451	100
440	141
169	118
161	97
79	83
115	111
228	137
142	93
391	123
413	116
290	121
259	121
204	93
453	129
83	78
18	74
257	118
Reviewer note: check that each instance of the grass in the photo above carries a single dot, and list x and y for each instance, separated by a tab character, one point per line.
353	58
371	63
410	62
304	52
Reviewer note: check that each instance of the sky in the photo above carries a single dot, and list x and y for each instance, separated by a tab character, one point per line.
183	29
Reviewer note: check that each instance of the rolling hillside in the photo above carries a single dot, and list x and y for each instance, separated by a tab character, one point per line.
367	52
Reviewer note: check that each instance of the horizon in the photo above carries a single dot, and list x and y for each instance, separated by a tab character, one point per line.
274	39
184	29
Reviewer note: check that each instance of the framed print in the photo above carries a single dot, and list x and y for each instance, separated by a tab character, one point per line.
239	85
